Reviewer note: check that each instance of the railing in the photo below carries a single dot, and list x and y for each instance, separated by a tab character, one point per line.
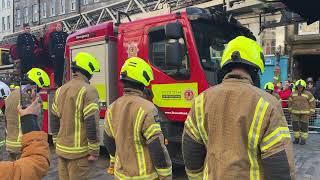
314	122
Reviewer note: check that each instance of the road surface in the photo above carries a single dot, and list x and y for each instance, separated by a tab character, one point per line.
307	163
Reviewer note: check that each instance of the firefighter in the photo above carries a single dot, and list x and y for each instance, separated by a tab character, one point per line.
75	120
133	135
25	50
301	105
13	141
269	87
34	162
56	49
4	93
235	130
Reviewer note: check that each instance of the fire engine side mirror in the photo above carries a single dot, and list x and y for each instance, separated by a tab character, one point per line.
173	30
174	52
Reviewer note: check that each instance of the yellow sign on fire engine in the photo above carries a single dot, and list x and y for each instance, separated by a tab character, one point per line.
178	95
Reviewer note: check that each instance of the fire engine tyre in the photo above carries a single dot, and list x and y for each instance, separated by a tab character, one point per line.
172	132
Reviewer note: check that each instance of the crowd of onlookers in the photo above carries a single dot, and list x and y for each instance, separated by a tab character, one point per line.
285	90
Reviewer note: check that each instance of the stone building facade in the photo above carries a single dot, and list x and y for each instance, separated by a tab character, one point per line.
36	12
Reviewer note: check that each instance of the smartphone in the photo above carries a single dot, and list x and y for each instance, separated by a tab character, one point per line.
27	93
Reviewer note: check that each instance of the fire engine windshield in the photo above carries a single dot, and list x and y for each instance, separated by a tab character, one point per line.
211	41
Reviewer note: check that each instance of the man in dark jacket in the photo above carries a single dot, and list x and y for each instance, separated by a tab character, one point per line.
25	49
56	49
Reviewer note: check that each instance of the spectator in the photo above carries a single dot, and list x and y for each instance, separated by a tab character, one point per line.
285	94
310	85
317	89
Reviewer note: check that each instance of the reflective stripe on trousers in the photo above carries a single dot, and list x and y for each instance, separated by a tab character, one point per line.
253	137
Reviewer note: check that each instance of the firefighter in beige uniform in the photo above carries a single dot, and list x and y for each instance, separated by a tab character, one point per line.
74	125
301	105
235	130
4	93
13	141
269	87
132	130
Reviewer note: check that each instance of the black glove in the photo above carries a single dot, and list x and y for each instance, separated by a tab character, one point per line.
29	123
29	117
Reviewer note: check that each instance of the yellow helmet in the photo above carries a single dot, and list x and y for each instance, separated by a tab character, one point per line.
302	83
136	69
269	86
243	50
86	62
39	76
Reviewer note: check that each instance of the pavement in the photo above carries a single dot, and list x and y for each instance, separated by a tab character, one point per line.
307	163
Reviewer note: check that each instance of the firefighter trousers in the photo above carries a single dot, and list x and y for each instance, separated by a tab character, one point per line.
73	169
300	125
58	70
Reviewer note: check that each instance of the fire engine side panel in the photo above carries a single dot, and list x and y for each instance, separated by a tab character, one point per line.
100	79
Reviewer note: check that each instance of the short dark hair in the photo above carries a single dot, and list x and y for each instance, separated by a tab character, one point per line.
26	25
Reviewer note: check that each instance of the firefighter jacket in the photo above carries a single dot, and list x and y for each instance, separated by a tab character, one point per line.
2	135
34	162
76	110
133	122
239	126
13	138
302	103
13	142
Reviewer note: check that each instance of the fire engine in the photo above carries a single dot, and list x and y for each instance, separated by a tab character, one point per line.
183	48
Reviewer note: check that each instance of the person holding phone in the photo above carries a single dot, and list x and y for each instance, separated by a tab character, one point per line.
35	79
34	162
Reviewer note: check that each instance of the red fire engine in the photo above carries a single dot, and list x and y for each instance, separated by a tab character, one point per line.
183	48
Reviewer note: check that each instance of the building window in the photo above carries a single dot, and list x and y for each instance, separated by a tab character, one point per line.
3	23
44	10
9	22
3	5
26	15
85	2
62	6
53	8
18	20
9	4
268	41
35	16
73	5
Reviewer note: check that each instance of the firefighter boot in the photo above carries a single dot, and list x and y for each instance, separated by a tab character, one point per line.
303	141
296	141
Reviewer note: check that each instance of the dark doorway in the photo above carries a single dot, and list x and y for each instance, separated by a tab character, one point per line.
307	66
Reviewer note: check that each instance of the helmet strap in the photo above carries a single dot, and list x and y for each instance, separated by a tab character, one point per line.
83	72
133	85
